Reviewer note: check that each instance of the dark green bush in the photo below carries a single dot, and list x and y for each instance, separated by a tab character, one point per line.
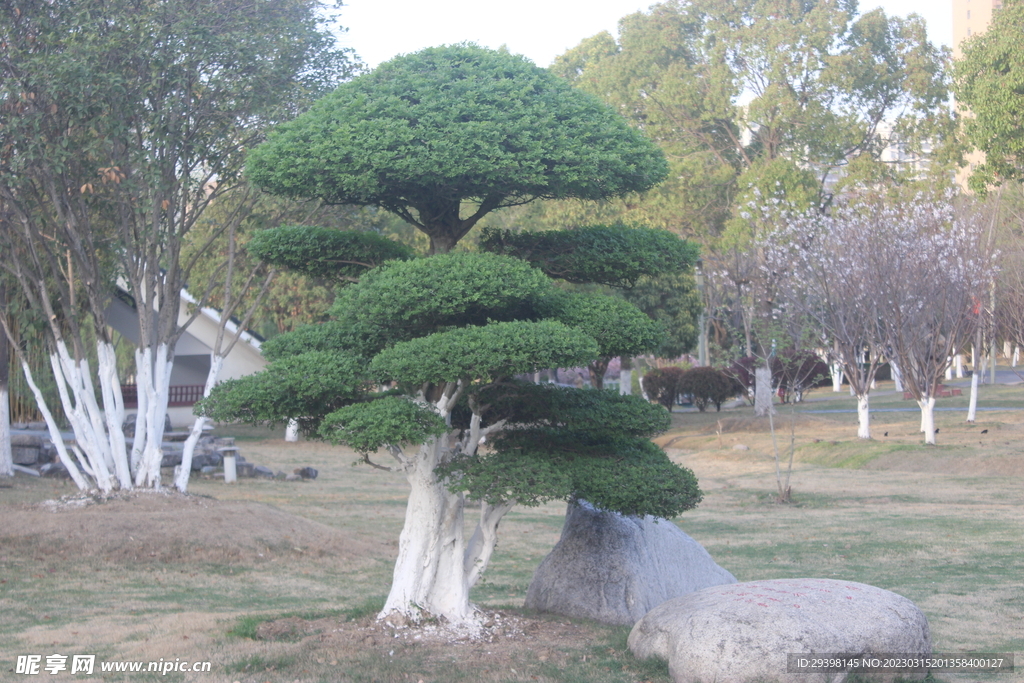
662	385
707	385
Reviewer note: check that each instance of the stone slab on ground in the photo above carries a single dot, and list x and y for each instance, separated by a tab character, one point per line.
26	449
614	568
743	632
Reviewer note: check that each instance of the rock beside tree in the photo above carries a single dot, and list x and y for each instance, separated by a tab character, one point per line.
615	568
745	632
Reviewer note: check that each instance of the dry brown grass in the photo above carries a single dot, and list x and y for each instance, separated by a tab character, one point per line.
296	567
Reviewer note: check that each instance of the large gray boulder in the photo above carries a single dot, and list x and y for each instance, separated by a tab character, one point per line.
613	568
744	632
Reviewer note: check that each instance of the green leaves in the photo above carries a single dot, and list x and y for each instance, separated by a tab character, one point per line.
367	427
616	255
990	82
402	301
524	405
488	353
620	328
326	253
305	387
728	86
631	476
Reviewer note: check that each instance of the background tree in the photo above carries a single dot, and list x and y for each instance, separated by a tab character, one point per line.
122	122
450	126
933	272
832	264
761	100
824	92
989	83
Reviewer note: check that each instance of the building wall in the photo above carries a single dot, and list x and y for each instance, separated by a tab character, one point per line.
970	18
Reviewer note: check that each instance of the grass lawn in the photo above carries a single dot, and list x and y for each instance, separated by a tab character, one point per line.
278	581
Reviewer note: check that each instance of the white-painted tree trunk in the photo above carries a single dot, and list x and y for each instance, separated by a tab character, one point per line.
897	376
189	449
484	540
1016	356
949	367
972	408
927	405
291	432
435	567
626	382
429	574
836	370
113	411
99	441
958	360
6	457
863	417
158	393
74	386
763	392
55	435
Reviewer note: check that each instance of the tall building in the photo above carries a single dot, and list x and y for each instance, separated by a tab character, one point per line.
970	17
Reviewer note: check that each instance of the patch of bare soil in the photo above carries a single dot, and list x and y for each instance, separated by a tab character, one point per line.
503	636
168	528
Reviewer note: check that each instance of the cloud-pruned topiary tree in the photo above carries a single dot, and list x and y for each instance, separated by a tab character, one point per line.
444	136
416	371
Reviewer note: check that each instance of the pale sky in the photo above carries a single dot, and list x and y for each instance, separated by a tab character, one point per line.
539	29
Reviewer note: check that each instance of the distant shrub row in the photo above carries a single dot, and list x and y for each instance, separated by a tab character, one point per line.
793	374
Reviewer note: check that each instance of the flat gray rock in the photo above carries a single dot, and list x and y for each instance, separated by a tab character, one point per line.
743	633
614	569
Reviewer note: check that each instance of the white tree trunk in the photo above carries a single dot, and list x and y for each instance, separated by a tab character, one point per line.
181	483
55	435
291	432
972	409
626	382
863	417
949	367
484	540
429	576
958	360
83	415
113	411
6	457
143	375
928	418
1016	356
836	370
897	376
763	392
158	393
